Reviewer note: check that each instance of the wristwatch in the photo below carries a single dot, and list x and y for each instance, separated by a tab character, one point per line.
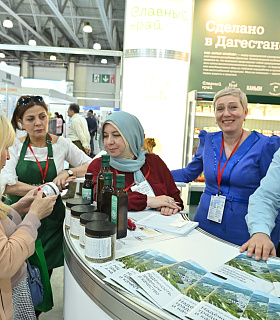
70	172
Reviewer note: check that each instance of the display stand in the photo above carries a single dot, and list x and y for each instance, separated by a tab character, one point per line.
86	293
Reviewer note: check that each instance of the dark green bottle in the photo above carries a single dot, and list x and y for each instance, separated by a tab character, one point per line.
105	167
106	195
119	206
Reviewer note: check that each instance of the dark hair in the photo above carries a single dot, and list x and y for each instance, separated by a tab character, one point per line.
74	107
56	113
20	110
90	111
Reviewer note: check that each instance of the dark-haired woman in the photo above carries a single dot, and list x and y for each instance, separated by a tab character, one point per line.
37	158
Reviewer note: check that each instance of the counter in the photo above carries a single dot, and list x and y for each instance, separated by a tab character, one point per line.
86	293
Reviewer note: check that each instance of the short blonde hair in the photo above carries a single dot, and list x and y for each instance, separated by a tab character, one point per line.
7	138
233	92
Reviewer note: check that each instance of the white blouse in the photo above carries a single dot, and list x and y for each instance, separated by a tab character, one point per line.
63	150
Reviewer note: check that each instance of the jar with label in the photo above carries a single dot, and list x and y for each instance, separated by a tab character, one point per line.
88	187
100	241
71	203
50	189
76	211
119	206
86	218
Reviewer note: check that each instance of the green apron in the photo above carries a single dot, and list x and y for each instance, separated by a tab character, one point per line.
50	232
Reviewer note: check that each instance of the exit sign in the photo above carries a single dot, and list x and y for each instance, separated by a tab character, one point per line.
103	78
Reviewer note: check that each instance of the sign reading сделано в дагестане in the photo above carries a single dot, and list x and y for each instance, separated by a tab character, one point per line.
236	44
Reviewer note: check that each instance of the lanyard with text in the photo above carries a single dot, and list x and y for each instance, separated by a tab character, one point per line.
146	176
44	174
220	173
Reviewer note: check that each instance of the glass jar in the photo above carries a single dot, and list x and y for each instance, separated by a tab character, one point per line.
71	203
76	211
50	189
86	218
100	241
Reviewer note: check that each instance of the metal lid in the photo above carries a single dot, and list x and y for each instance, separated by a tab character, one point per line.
93	216
76	201
89	176
79	209
101	228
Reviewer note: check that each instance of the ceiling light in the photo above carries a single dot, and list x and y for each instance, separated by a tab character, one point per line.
2	55
32	42
87	28
7	23
3	63
97	46
104	61
53	57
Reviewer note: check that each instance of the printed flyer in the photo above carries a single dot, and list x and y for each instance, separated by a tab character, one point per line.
257	307
273	312
185	302
227	302
274	268
253	274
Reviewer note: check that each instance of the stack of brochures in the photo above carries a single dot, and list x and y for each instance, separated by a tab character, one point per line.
173	224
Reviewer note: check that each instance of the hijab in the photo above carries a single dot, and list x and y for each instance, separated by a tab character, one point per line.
132	131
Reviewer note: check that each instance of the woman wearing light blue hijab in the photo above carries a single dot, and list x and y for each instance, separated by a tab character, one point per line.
148	181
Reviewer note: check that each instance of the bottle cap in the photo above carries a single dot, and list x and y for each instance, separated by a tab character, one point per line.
108	175
100	228
76	201
79	209
105	158
89	176
120	177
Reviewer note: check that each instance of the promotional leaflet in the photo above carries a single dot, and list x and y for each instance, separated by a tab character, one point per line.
273	312
165	284
182	274
253	274
257	307
274	268
227	302
174	224
132	260
194	294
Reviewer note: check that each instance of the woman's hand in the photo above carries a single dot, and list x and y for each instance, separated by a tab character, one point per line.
165	204
63	178
23	205
42	207
260	245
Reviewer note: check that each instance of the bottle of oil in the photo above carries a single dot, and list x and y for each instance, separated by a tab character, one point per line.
107	192
88	188
119	206
105	167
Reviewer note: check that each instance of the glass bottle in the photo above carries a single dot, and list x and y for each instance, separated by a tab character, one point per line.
105	167
88	188
107	192
119	206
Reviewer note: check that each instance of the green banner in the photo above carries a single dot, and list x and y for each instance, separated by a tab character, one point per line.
236	44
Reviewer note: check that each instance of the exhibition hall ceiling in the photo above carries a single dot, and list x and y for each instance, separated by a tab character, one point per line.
60	23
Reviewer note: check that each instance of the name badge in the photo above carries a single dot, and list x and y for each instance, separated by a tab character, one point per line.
216	208
143	188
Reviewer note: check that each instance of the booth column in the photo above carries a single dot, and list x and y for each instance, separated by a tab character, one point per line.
156	69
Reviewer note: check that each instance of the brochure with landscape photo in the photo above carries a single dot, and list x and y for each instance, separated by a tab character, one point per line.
194	294
158	261
274	268
253	274
132	260
273	312
182	274
257	307
108	268
227	302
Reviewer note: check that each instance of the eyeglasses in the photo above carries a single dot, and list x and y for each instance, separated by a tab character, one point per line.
22	102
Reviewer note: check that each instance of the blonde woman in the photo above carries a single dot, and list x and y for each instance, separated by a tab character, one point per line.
17	239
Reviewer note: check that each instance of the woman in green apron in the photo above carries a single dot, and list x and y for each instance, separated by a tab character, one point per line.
38	158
